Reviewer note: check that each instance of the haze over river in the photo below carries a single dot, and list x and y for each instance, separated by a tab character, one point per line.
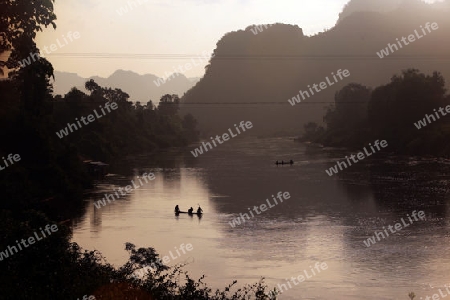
325	220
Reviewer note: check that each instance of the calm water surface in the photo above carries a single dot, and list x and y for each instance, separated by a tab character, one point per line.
325	220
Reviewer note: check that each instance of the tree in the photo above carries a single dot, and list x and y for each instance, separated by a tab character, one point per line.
150	105
19	22
75	95
92	86
169	104
380	104
312	131
99	93
350	108
406	99
310	127
189	124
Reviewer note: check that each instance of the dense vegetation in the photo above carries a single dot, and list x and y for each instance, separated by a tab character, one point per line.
50	169
52	165
131	128
361	115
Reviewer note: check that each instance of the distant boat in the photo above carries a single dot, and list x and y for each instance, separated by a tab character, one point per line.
291	162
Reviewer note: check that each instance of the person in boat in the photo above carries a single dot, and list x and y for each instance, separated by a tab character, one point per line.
277	162
291	162
177	209
282	162
199	210
190	210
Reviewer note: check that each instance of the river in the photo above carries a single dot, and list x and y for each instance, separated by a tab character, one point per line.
326	219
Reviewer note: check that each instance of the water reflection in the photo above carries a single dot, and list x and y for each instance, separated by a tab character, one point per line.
326	218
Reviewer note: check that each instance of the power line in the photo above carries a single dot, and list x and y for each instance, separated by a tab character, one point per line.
159	56
236	104
274	103
265	103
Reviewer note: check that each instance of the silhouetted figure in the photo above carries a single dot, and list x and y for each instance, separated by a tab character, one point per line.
190	210
277	162
291	162
282	162
199	210
177	209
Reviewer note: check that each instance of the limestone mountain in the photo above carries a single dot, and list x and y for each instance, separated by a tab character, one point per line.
252	76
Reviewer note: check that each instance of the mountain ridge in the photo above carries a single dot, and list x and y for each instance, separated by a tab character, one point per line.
272	66
140	87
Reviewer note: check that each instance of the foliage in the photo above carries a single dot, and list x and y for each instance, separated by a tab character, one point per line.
389	112
19	22
172	283
56	269
169	105
130	129
350	107
312	130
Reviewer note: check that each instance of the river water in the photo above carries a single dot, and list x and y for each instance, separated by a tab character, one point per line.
325	220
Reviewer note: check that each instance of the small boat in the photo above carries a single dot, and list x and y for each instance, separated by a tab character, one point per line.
291	162
185	212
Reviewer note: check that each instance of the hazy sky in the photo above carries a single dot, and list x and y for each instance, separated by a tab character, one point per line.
165	27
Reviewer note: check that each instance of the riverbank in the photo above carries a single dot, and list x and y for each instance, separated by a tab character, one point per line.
403	112
427	142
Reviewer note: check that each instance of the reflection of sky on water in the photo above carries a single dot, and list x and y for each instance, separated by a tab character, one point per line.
326	219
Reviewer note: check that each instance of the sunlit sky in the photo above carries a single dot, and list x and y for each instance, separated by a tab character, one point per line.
157	27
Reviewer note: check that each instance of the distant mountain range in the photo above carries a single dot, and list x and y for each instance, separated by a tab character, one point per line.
139	87
252	76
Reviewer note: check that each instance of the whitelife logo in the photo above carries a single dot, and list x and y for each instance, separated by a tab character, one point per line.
299	279
128	189
10	158
180	69
86	297
49	229
65	132
430	118
334	170
323	85
391	48
259	28
165	260
398	226
53	47
439	296
131	5
225	136
263	207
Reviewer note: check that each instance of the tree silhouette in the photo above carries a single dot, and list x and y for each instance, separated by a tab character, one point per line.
169	104
405	100
19	22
